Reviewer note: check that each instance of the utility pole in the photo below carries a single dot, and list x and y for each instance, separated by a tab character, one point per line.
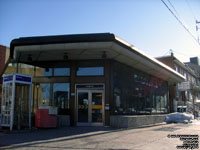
197	28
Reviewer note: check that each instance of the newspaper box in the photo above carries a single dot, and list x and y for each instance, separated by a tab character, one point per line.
46	117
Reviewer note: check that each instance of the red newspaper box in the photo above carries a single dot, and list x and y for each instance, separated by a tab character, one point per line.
46	117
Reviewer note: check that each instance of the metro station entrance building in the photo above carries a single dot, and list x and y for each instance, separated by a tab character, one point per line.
92	77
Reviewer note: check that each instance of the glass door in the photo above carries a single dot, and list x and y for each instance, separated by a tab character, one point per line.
90	107
83	102
97	109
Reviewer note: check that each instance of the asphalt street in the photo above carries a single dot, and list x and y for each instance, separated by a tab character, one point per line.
159	137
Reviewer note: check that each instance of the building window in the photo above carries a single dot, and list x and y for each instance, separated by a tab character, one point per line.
136	92
181	71
48	72
53	94
61	71
90	71
43	94
185	75
176	68
61	97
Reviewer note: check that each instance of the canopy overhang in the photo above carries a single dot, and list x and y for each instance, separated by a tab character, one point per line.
87	47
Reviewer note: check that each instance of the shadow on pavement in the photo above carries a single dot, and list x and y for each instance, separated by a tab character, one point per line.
51	135
44	136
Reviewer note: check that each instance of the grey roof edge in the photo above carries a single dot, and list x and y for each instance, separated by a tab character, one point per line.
150	58
56	39
91	37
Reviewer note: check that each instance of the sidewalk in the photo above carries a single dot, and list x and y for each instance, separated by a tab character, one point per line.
99	138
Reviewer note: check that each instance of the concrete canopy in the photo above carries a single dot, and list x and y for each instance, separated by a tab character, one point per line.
86	47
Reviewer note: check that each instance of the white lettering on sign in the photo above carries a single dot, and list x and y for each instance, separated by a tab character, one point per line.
184	86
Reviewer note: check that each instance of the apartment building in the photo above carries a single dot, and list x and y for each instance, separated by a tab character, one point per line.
183	91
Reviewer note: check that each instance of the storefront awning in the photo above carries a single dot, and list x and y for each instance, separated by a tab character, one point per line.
85	47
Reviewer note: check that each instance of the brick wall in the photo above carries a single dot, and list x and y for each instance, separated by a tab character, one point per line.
167	61
2	63
2	57
172	89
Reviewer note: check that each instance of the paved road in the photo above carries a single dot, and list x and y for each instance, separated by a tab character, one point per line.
99	138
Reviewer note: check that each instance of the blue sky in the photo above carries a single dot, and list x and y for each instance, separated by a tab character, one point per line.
147	24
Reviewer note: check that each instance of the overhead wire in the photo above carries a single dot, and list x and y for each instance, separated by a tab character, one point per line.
166	53
174	8
195	19
178	53
183	54
177	14
175	53
182	24
191	10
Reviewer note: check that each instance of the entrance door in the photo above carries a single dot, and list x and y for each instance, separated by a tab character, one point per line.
90	111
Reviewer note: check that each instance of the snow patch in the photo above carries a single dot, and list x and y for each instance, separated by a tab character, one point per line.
179	118
196	122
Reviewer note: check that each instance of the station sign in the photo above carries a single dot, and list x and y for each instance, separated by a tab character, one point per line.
90	86
184	86
22	78
7	78
18	78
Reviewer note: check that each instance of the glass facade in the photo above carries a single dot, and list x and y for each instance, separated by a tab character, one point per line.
45	92
61	71
61	97
47	72
136	92
90	71
53	94
50	92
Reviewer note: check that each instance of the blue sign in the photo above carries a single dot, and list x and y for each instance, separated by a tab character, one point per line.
7	78
17	78
23	78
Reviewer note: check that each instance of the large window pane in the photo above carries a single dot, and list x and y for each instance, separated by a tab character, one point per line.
90	71
41	94
61	97
136	92
48	72
163	104
61	71
53	94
